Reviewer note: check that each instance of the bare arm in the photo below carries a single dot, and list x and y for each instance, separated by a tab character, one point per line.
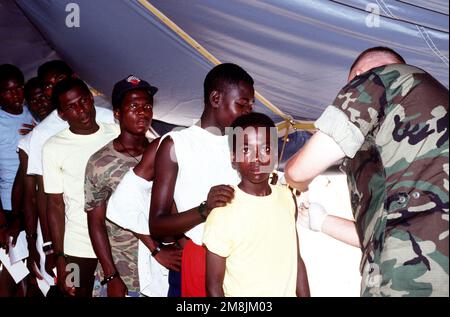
3	227
41	204
162	223
169	256
145	168
99	238
56	221
302	289
316	218
30	214
29	199
341	229
17	201
215	273
41	201
102	248
316	156
18	188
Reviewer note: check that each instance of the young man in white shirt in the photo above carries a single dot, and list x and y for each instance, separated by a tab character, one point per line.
65	156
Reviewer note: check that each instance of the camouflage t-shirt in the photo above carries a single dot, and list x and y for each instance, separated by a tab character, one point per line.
104	171
392	124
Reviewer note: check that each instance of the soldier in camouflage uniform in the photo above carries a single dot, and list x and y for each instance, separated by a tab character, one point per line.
389	124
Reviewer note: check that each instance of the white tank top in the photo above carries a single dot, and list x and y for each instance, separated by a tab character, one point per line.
203	162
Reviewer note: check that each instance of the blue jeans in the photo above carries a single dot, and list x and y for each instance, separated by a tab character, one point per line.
174	284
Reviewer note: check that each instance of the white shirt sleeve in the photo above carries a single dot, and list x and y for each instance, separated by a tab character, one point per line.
52	172
24	143
104	115
35	154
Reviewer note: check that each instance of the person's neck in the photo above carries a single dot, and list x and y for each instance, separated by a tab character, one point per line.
261	189
11	110
131	143
209	122
90	131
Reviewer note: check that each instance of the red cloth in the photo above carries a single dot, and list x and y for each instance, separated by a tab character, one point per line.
193	270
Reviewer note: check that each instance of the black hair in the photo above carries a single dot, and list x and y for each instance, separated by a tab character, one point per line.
55	65
30	85
378	49
64	86
9	71
224	75
252	119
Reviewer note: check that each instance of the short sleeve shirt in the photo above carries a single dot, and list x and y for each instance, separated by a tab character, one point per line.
104	171
9	160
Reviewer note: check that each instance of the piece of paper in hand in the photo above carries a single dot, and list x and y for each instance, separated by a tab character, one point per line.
42	284
18	270
39	245
20	251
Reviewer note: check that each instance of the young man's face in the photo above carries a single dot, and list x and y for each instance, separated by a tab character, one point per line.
39	103
11	96
235	101
136	112
50	79
254	157
77	108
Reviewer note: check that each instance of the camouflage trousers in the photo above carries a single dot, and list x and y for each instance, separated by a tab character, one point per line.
406	267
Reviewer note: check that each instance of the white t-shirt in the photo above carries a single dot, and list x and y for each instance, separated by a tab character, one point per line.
50	126
65	157
129	207
203	162
24	143
10	124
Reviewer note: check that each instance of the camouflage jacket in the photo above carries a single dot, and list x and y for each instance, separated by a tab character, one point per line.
392	123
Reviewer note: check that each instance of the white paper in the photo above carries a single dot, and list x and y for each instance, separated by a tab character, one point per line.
39	242
18	270
43	285
20	251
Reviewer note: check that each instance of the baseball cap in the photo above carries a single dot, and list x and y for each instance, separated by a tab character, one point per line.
131	82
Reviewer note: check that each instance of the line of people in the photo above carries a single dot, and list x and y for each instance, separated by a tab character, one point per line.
194	213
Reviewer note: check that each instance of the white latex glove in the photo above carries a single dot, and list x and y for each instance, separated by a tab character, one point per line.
312	215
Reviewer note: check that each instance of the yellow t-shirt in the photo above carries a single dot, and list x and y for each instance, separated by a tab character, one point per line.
257	236
64	161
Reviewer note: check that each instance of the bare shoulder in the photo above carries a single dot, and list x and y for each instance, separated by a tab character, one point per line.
166	151
150	151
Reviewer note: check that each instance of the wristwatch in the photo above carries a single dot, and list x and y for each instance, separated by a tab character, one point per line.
202	209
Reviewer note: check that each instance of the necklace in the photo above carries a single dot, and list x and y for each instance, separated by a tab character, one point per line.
127	151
